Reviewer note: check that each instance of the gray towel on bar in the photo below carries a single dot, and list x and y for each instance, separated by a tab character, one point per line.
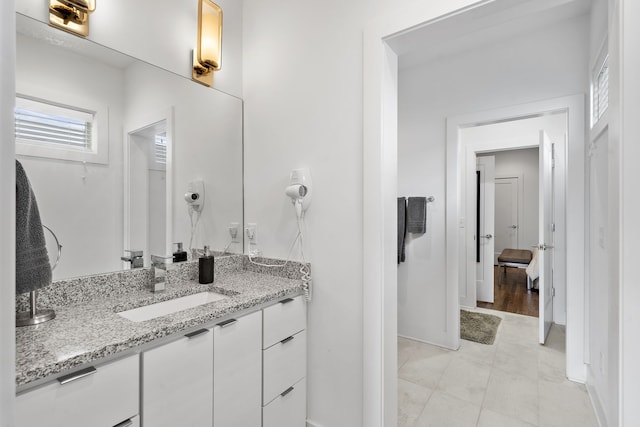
402	227
417	215
33	270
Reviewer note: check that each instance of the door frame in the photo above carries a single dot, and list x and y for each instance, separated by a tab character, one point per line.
574	198
380	177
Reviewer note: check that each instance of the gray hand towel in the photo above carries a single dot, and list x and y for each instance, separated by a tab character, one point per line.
417	215
402	227
33	270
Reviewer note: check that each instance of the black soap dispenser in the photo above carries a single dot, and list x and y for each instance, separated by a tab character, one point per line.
205	267
180	254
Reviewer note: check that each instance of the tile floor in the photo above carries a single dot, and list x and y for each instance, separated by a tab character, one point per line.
514	382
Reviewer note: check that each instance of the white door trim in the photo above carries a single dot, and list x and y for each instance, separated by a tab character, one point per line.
575	200
7	215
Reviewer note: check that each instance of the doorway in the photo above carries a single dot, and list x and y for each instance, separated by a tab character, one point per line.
525	133
147	185
380	146
515	226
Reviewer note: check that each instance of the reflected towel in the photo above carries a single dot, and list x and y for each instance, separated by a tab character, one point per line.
417	215
402	227
33	270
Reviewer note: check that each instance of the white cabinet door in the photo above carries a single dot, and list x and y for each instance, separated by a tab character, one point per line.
177	382
78	399
289	409
237	372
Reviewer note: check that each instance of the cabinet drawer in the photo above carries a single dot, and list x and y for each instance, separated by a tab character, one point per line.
288	409
104	397
283	319
284	364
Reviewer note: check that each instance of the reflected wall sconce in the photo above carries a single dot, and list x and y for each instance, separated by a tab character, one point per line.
71	15
208	53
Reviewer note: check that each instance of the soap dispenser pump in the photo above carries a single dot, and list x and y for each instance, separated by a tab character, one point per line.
205	267
180	254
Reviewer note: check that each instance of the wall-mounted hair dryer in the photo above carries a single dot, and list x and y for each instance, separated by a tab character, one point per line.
296	192
195	195
300	189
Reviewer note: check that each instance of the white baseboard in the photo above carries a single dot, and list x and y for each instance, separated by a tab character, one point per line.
312	424
597	406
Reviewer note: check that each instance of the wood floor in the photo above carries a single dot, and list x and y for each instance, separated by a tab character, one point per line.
512	294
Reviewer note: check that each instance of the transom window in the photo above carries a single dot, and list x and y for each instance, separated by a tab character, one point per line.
40	122
600	91
58	131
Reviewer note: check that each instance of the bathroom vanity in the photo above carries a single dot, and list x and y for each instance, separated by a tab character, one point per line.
237	361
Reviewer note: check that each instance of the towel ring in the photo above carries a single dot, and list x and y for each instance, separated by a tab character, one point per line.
57	244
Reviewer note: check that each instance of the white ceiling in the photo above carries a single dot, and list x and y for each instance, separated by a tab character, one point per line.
481	26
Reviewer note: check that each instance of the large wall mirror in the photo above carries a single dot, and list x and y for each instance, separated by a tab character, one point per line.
120	182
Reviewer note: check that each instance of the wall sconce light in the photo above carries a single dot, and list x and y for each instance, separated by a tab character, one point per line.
208	53
71	15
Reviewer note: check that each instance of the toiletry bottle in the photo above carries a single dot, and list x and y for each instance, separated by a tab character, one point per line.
180	254
205	264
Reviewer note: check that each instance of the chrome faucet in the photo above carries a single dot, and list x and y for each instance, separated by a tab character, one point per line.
135	258
160	266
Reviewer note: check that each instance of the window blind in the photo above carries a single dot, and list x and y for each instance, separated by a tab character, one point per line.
160	148
601	91
44	123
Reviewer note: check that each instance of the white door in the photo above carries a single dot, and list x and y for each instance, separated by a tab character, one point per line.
506	224
486	214
545	230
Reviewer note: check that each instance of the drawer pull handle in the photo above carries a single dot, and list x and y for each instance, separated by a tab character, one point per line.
287	391
286	301
227	323
196	333
77	375
286	340
125	423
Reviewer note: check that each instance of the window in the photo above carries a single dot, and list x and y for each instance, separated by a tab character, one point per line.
160	148
52	130
42	123
600	91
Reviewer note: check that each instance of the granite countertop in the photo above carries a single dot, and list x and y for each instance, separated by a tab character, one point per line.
89	331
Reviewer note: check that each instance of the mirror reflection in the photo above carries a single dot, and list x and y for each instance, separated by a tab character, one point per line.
118	179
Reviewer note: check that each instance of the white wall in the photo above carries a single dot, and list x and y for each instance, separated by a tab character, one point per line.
72	196
522	164
7	217
545	64
303	107
161	32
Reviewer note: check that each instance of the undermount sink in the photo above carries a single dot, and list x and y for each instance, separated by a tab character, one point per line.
158	309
